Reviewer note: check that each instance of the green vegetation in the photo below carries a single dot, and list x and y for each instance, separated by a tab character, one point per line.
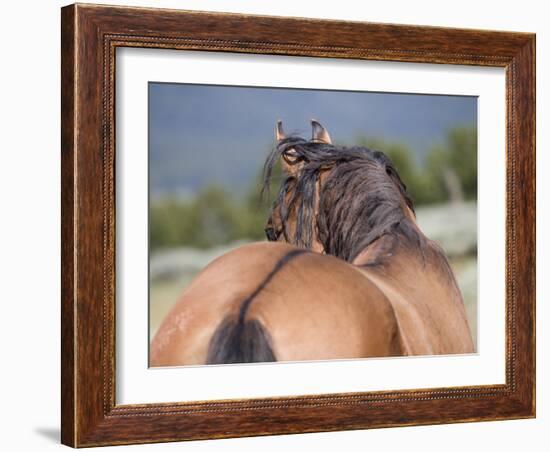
212	218
215	217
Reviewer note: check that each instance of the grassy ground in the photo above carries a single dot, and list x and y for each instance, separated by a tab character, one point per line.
465	270
163	295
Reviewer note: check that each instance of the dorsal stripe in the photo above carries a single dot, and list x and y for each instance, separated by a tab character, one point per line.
276	268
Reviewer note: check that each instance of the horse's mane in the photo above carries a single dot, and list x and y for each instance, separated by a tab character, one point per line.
361	199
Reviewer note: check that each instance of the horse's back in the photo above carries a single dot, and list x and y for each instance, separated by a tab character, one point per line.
310	307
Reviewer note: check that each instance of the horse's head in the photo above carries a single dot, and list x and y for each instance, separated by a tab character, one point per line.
297	201
334	199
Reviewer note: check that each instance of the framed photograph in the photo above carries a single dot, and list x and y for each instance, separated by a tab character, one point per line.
283	225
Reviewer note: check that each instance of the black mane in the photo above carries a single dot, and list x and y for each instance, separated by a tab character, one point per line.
361	198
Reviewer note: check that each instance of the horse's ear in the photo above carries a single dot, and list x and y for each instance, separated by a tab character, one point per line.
279	132
319	133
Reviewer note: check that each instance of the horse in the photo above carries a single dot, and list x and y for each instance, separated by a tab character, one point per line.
346	272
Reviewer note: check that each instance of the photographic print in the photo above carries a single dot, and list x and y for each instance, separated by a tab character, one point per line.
301	225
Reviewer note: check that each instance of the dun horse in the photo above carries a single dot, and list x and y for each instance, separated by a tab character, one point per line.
347	273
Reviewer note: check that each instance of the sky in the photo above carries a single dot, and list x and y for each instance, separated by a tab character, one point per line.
204	134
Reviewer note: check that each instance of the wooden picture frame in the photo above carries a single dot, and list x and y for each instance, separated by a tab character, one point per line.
90	36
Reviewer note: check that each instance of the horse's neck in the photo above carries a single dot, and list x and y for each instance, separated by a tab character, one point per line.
411	267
